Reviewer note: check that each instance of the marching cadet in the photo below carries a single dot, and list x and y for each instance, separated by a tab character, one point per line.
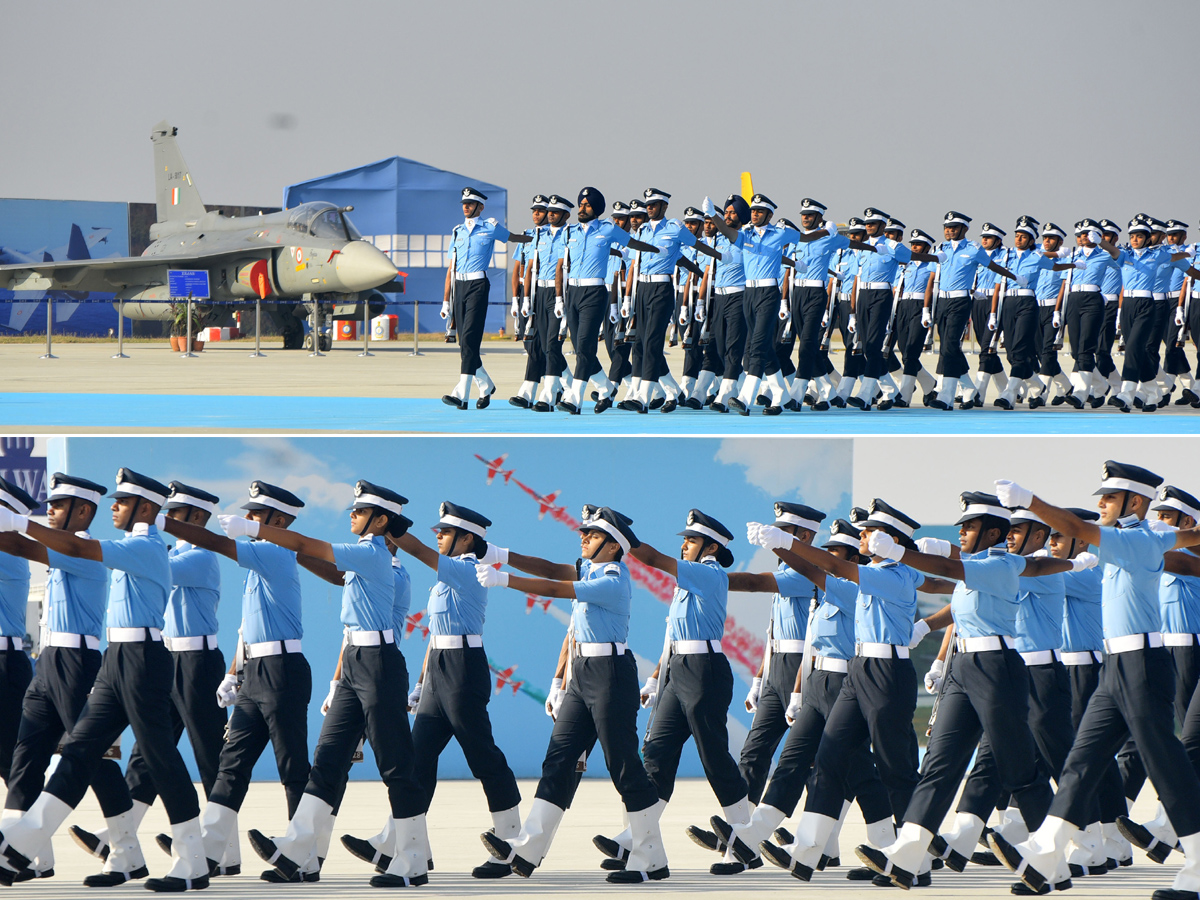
587	249
695	677
1110	289
1051	292
1175	362
815	685
132	688
614	324
728	315
452	692
15	669
845	267
365	698
269	682
633	352
916	295
1084	313
525	264
549	306
703	389
985	291
597	702
689	305
959	260
465	295
986	693
878	695
199	666
1188	312
1136	684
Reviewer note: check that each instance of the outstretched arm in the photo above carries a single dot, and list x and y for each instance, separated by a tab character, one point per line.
418	551
939	619
753	582
1045	565
934	565
542	568
65	542
202	537
323	569
1182	563
635	244
798	555
543	587
15	545
651	557
296	542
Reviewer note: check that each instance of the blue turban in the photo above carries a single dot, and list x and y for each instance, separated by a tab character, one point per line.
595	198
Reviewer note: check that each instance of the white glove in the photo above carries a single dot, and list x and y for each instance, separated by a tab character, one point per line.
445	309
801	266
852	324
934	547
992	323
526	307
227	692
625	308
160	521
783	311
515	310
612	313
1012	495
1084	561
793	708
493	555
1080	264
941	256
237	526
707	207
825	319
920	629
489	577
329	697
10	521
771	537
1056	319
559	307
414	697
1179	316
752	530
926	317
884	248
755	693
683	316
649	692
554	697
933	678
1022	281
883	544
699	312
1095	237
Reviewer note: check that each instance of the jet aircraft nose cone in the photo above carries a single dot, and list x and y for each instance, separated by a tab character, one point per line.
361	266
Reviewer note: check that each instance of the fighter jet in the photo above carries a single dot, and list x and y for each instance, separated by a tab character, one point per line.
312	253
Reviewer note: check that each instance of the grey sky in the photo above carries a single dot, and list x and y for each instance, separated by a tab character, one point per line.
1058	109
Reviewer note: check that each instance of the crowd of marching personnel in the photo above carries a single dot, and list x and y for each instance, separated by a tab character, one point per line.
1070	650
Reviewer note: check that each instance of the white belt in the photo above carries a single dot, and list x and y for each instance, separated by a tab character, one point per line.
271	648
128	635
11	643
602	649
808	282
1158	295
829	664
1196	295
982	295
1082	658
546	282
1023	293
913	295
1038	657
880	651
1128	642
1170	639
953	295
67	639
196	642
469	276
1048	301
654	279
982	644
1084	288
585	282
685	647
726	291
761	282
1109	298
370	638
1145	295
877	286
455	641
787	646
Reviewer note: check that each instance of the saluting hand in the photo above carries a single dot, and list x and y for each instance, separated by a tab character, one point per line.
489	577
238	526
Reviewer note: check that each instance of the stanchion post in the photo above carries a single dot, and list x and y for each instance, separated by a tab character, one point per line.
120	354
49	354
416	350
257	326
366	350
187	351
316	329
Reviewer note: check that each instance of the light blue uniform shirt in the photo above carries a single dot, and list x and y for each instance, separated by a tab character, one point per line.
14	595
833	624
688	253
1030	263
137	594
76	593
789	607
730	271
472	244
1133	566
603	599
877	267
195	592
916	277
697	610
985	279
846	266
588	246
547	245
887	601
669	236
762	252
962	262
271	605
1097	260
369	588
817	254
1176	272
1083	628
1040	613
1140	268
1049	283
1179	596
1111	285
985	602
403	598
458	602
614	266
522	252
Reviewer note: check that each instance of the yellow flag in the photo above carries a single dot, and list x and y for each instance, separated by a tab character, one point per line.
747	186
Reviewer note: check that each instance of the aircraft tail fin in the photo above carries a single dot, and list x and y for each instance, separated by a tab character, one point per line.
175	196
77	247
747	186
46	257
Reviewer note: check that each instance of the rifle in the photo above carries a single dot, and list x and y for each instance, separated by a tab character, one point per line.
1062	321
706	303
991	347
942	687
531	276
937	277
631	323
889	336
1181	338
562	323
451	327
831	308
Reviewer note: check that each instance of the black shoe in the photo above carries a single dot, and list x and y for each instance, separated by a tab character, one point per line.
595	395
1172	894
938	404
366	852
1022	890
773	411
733	868
828	862
492	869
925	880
602	405
1078	871
762	400
164	842
670	406
719	407
112	879
16	861
609	847
985	858
1037	402
32	874
169	884
738	406
627	876
1059	400
1188	398
793	406
519	402
856	402
777	856
877	861
630	405
89	842
273	876
1095	402
928	398
266	849
567	407
454	401
656	403
398	881
837	402
942	853
1149	407
783	837
741	851
1011	857
1002	403
899	403
1138	402
821	406
224	871
885	405
1140	836
484	402
860	873
541	406
705	838
612	865
693	403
